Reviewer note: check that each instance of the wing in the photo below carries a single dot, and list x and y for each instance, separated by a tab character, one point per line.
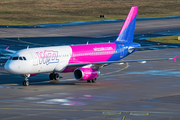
5	54
97	65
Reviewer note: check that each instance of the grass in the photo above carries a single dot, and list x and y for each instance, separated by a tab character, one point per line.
166	39
26	12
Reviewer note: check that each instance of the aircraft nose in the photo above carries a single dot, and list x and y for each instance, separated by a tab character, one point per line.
9	67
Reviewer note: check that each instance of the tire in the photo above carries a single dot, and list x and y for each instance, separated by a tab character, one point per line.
93	80
51	76
88	81
25	83
56	76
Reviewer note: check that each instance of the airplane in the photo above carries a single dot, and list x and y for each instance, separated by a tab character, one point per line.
84	60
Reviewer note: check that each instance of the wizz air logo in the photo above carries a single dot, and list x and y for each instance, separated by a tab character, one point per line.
102	48
47	57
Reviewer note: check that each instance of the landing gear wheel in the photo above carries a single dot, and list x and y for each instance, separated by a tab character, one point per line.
88	81
93	80
25	83
56	76
51	76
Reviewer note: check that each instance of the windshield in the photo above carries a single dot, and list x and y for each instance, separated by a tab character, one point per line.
18	58
15	58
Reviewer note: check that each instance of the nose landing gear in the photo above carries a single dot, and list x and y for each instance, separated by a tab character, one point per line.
26	82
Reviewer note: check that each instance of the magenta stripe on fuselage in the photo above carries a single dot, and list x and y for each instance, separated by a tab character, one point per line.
90	53
130	17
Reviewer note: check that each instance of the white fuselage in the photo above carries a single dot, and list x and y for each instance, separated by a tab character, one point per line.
39	60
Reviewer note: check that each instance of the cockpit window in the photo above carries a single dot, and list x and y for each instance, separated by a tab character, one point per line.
15	58
20	58
24	58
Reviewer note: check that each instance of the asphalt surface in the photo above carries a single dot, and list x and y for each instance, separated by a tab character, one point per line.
131	91
19	38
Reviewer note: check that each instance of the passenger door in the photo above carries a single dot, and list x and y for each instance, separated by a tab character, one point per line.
35	59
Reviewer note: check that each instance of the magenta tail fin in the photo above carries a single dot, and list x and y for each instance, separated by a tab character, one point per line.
126	33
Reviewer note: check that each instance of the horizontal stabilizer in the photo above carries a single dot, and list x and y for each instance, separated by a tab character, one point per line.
147	47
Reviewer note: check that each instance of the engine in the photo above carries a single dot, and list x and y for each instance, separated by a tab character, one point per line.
86	73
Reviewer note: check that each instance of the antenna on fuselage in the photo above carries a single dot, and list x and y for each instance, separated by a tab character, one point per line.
87	42
28	47
109	41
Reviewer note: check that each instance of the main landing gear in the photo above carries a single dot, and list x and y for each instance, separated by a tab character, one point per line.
54	76
93	80
26	82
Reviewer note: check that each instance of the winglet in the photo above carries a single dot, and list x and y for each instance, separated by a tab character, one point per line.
175	58
7	48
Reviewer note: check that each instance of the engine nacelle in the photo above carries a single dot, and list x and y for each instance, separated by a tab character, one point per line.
86	73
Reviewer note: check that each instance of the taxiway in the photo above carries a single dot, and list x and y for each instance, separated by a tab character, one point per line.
131	91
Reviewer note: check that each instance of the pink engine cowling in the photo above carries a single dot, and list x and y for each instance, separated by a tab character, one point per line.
86	73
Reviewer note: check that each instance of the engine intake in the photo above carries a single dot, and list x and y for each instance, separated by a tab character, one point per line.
86	73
